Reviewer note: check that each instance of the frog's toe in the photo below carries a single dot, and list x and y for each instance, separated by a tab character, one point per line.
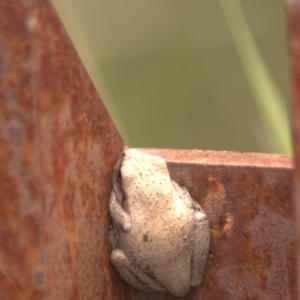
179	290
196	280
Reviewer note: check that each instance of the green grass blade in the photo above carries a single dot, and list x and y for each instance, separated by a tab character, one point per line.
268	99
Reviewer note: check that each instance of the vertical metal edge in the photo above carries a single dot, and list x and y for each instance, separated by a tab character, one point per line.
58	146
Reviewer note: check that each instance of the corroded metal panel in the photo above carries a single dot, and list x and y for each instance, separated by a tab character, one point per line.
57	150
248	199
294	48
58	146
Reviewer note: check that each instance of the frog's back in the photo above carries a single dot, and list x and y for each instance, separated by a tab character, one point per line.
167	251
163	238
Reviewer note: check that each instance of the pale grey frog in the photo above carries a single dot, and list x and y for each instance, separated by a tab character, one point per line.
160	235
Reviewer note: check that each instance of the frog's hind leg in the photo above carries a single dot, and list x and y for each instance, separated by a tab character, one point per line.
133	274
201	247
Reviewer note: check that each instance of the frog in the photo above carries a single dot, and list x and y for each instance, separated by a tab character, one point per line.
159	235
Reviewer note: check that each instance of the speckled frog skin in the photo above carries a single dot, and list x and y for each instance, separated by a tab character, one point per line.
160	235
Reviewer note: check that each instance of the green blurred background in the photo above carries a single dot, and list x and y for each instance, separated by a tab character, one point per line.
170	72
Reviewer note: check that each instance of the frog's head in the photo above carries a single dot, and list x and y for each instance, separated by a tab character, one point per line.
142	168
140	175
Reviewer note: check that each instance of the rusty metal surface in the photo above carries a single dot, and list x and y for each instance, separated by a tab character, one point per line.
58	146
57	149
248	199
294	49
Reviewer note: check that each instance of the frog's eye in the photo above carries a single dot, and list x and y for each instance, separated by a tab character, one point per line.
119	176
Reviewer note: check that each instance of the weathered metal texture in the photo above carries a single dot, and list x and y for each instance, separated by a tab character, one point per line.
248	199
294	49
57	149
58	146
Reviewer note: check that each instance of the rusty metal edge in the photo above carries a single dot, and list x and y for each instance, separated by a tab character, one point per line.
223	158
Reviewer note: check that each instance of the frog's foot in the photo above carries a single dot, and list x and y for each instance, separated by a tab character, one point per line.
133	274
201	248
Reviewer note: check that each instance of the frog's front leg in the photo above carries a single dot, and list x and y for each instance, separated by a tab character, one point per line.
201	246
133	274
118	214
